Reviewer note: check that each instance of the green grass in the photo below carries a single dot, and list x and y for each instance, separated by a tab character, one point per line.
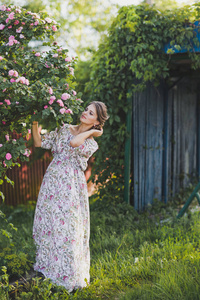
133	256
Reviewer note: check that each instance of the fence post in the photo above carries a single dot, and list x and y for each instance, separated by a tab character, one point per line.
165	145
192	196
127	159
198	135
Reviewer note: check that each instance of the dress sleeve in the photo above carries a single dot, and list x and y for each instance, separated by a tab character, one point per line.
48	139
88	148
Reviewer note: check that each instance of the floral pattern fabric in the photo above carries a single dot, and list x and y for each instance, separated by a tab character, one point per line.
61	226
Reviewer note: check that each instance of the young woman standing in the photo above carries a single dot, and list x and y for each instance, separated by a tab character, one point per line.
61	227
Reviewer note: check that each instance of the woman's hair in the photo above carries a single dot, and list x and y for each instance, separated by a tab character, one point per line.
101	110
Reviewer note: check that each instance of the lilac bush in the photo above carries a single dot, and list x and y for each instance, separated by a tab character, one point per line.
34	85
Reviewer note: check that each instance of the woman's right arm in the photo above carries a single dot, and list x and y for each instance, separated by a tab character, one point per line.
36	135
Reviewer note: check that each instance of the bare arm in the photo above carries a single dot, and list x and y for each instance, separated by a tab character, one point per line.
36	135
81	137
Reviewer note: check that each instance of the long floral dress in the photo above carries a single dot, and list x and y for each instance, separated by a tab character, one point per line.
61	225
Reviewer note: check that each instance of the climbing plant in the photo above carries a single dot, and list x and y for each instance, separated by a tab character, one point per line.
34	85
129	57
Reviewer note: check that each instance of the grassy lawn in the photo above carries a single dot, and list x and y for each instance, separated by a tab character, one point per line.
133	256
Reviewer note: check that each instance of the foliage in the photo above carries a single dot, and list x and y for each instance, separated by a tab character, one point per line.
133	256
15	256
82	22
129	57
33	85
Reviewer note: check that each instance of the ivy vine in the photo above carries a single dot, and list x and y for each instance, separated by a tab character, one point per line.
130	56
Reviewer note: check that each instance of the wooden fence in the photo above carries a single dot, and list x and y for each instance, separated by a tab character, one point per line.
165	141
27	179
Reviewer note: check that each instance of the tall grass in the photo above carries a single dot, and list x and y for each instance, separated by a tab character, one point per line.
133	256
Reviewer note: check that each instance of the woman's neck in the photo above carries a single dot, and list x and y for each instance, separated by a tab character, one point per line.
81	128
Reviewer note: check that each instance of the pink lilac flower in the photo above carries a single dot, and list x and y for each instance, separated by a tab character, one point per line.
46	106
17	10
36	23
12	40
7	101
23	23
16	22
46	65
3	122
27	152
60	102
74	93
2	26
4	163
21	36
1	103
65	96
29	131
62	111
10	43
55	55
21	79
1	145
7	20
17	102
69	111
12	80
37	54
1	57
11	73
19	30
4	90
8	9
68	59
52	99
15	73
8	156
48	20
71	71
50	91
54	28
7	137
3	7
11	15
9	27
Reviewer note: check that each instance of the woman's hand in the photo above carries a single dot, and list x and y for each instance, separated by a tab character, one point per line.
96	132
36	135
81	137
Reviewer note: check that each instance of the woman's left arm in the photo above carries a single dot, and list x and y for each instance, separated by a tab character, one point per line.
81	137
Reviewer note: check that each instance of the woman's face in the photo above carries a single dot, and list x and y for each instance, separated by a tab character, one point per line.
89	116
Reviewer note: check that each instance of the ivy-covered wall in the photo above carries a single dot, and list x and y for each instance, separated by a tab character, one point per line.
130	57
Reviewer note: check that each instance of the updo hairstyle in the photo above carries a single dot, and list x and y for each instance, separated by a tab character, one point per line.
101	110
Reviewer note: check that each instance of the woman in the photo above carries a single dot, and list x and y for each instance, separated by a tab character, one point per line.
61	224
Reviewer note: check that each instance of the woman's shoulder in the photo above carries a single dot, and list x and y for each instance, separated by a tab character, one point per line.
91	142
